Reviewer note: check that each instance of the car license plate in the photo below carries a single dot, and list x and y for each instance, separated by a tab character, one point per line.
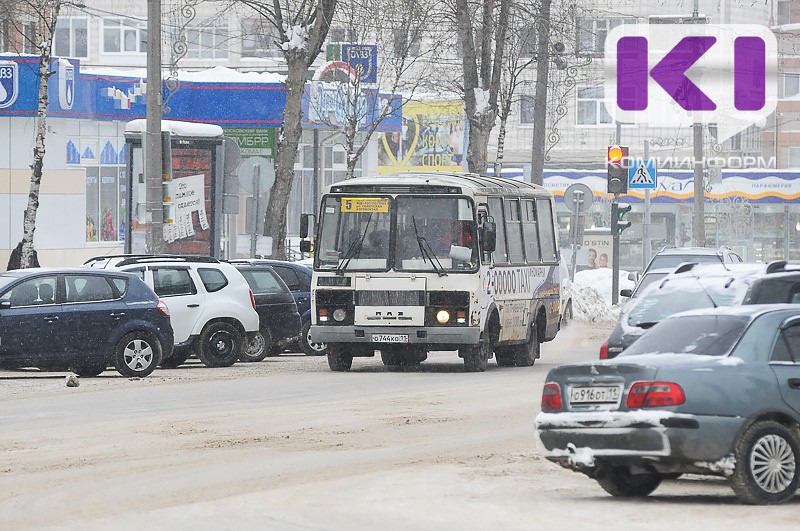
389	338
594	395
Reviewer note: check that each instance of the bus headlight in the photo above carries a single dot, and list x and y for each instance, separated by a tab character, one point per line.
339	315
443	316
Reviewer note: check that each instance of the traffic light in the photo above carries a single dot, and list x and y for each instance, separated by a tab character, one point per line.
618	212
617	172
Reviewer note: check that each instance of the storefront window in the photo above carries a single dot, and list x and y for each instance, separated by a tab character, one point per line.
106	196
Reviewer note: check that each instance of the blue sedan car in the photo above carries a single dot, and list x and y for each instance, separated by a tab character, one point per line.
81	320
712	391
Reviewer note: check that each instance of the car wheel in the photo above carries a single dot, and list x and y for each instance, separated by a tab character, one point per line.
477	358
220	344
618	481
766	470
526	354
338	359
258	348
89	369
566	317
179	357
311	348
137	354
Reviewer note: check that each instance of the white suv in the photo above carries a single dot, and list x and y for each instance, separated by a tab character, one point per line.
211	306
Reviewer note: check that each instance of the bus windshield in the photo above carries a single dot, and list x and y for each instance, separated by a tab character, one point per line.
435	234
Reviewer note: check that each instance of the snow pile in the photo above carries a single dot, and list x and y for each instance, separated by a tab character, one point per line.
297	35
481	100
591	295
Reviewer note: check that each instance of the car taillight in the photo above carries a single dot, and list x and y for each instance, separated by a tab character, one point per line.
162	307
655	394
252	299
604	351
551	397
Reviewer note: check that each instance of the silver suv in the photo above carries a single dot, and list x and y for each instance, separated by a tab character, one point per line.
211	305
672	257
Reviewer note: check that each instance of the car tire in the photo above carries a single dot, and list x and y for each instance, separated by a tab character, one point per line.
259	347
178	358
89	369
338	359
566	317
619	482
526	354
477	358
767	470
219	345
137	354
311	348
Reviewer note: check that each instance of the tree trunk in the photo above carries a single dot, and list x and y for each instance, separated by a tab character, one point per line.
540	97
27	255
288	143
501	141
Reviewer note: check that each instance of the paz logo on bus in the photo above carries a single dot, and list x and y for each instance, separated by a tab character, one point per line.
677	74
9	83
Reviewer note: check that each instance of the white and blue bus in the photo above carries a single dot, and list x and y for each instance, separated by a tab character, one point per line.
415	262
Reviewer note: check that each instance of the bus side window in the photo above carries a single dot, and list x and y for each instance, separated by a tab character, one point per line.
547	236
530	232
516	253
496	211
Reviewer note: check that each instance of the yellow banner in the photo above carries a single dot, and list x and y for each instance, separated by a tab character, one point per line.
365	204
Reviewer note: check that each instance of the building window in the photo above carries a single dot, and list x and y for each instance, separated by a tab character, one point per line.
402	46
29	38
208	40
791	85
526	106
337	35
527	41
784	12
592	33
794	157
71	37
124	35
591	109
258	39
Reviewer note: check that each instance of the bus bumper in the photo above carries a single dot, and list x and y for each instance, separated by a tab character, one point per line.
451	337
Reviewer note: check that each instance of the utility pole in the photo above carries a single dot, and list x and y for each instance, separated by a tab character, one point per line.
154	195
540	97
698	212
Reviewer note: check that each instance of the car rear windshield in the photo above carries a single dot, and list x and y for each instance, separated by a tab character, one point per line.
710	335
668	261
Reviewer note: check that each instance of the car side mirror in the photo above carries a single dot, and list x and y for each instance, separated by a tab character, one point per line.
4	305
626	293
488	236
633	275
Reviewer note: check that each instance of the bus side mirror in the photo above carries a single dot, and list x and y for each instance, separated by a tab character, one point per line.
488	236
305	246
304	225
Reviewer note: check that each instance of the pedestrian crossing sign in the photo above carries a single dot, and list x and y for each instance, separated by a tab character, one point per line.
642	174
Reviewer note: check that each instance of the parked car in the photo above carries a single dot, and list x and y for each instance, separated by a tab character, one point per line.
277	311
645	280
211	304
297	277
702	286
81	320
672	257
711	392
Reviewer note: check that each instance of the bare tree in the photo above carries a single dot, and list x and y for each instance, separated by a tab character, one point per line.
481	67
44	13
302	27
397	27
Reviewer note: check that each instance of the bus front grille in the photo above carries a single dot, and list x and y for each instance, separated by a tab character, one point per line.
390	298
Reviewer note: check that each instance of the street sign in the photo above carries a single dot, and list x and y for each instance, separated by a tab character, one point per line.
578	198
363	59
642	174
266	174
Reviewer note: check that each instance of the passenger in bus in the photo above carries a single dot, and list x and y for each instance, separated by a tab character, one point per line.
377	245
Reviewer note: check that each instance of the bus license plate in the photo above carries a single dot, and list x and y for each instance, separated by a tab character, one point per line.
389	338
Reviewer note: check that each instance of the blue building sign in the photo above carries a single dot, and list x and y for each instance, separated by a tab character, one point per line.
363	59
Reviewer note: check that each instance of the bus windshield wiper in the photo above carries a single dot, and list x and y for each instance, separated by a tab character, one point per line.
426	251
354	249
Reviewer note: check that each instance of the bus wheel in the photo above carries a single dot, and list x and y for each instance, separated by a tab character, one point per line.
505	357
338	359
525	355
476	358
